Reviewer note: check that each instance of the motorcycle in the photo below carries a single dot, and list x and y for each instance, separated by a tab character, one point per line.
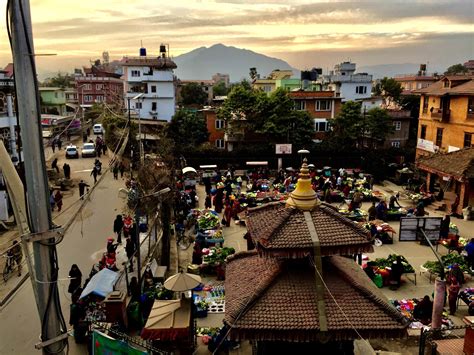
109	261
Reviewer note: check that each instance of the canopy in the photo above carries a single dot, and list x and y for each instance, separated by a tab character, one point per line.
101	284
189	169
208	166
182	281
168	320
254	163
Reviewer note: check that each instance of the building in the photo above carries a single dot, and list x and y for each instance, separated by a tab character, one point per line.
205	85
277	78
218	77
8	120
321	105
295	293
53	101
401	120
348	84
215	127
96	86
446	121
413	82
469	65
149	85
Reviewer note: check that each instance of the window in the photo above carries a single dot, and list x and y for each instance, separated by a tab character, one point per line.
446	83
425	104
423	132
470	105
56	95
100	98
153	106
88	98
323	105
300	105
361	89
467	140
220	143
397	125
439	137
219	124
396	144
135	73
99	86
153	88
138	105
321	125
87	86
267	88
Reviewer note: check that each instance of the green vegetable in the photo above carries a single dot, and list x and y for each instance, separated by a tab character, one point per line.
387	262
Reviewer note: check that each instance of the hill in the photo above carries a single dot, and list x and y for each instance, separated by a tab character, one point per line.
203	62
390	70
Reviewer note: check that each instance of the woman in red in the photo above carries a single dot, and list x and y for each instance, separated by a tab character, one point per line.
227	214
58	198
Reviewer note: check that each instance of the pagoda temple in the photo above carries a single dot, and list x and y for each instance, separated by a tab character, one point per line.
300	291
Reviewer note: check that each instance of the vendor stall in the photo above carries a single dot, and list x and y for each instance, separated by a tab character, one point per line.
384	265
467	296
380	230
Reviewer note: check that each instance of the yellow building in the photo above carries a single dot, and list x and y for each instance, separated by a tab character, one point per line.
269	84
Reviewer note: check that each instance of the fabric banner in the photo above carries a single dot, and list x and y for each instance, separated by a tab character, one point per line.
103	344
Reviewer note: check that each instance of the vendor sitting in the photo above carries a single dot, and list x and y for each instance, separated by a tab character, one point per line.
423	310
394	200
369	270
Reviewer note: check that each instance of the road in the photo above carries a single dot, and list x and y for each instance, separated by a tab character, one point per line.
83	244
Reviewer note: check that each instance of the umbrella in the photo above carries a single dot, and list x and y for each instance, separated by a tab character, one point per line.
101	284
182	282
189	169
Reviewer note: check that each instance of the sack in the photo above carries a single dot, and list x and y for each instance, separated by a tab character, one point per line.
464	253
378	281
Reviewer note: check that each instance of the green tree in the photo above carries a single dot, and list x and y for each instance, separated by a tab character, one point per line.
192	94
389	89
187	129
347	127
456	69
377	126
219	89
60	80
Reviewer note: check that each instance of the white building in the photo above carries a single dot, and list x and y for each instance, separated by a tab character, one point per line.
347	83
152	77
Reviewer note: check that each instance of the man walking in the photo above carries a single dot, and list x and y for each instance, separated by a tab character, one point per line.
118	225
53	144
54	165
94	173
115	170
67	171
82	189
122	169
60	143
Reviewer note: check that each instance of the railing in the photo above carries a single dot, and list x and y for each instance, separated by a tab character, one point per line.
440	114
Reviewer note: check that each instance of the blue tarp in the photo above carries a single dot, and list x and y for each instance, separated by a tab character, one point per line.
101	284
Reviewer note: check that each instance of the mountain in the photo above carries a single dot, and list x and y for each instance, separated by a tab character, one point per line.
390	70
203	62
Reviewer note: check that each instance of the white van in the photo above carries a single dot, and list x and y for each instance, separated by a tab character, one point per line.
98	129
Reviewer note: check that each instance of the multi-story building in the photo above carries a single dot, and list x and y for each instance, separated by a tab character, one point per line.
8	121
321	105
215	127
413	82
348	84
96	86
269	84
218	77
53	101
446	121
205	85
153	78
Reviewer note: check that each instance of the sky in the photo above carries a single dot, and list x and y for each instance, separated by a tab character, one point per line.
301	32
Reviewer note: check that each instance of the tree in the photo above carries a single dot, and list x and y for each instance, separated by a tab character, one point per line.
187	129
377	126
60	80
347	127
389	89
253	73
192	94
456	69
220	89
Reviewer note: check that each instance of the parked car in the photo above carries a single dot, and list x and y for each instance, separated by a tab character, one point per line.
88	150
72	152
98	129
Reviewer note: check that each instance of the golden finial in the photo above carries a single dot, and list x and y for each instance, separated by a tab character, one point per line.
303	197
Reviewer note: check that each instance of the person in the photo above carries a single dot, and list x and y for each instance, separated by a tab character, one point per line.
423	310
208	202
369	270
420	209
52	202
58	198
94	173
453	292
98	149
218	204
444	228
54	165
115	170
396	272
393	201
454	206
357	199
98	165
456	272
469	248
67	171
82	189
135	289
372	212
84	137
76	279
118	225
16	254
104	148
197	254
59	143
227	214
53	145
130	249
121	169
381	210
111	246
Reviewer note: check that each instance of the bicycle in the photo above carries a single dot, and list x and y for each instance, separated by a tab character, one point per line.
182	239
8	269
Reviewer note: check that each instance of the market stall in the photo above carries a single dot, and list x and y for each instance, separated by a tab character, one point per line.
380	230
214	261
467	296
357	215
383	267
208	227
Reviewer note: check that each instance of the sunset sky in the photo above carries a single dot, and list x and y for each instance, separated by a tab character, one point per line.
298	31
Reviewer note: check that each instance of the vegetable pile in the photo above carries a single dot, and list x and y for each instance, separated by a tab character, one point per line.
208	220
387	262
216	256
449	259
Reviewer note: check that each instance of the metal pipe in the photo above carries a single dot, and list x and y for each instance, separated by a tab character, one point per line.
39	213
11	122
438	303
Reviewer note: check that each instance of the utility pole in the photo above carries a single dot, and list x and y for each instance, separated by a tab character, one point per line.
53	327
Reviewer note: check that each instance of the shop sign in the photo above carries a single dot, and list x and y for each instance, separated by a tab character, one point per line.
425	145
283	148
103	344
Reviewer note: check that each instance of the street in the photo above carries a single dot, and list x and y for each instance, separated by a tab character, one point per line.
83	245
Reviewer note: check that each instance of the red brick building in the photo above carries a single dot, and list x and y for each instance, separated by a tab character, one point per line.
321	105
215	127
97	86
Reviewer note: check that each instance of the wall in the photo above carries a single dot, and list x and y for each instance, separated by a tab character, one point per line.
49	97
214	134
348	91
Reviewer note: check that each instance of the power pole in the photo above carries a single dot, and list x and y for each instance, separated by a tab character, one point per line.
45	273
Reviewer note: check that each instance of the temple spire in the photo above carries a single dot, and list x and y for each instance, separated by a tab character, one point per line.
303	197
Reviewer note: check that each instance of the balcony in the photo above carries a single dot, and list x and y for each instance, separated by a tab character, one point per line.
233	137
441	115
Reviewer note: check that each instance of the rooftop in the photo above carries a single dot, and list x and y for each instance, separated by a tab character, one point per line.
458	85
154	62
313	94
459	164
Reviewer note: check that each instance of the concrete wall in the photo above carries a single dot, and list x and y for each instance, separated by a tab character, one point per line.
348	91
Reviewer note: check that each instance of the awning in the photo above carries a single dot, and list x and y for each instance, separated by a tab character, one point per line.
256	163
168	320
189	169
101	284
